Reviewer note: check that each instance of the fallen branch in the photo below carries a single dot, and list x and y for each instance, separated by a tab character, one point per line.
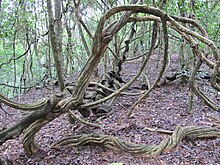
158	130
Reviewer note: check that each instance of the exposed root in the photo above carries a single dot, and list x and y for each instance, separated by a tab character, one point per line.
169	143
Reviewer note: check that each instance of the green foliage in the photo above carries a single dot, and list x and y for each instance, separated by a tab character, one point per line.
25	22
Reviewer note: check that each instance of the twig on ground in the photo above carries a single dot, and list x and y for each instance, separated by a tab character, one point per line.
158	130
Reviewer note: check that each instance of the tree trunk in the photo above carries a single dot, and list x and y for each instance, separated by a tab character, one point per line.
55	30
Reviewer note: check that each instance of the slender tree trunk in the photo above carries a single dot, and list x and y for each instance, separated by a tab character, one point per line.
48	50
58	29
14	62
69	49
78	18
55	38
183	62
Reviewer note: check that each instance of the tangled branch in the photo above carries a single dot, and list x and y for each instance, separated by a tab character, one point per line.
51	108
167	144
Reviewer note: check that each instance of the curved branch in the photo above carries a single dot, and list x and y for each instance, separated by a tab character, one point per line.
192	81
28	107
29	144
83	121
167	144
165	59
16	129
13	59
194	23
111	90
123	87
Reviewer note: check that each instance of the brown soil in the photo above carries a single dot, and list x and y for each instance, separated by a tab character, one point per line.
164	108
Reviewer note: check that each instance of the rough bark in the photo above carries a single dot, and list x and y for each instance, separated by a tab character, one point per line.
55	26
56	105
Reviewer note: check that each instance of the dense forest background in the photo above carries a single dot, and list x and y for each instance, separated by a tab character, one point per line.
96	72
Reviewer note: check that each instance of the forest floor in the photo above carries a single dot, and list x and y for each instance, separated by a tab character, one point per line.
165	108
